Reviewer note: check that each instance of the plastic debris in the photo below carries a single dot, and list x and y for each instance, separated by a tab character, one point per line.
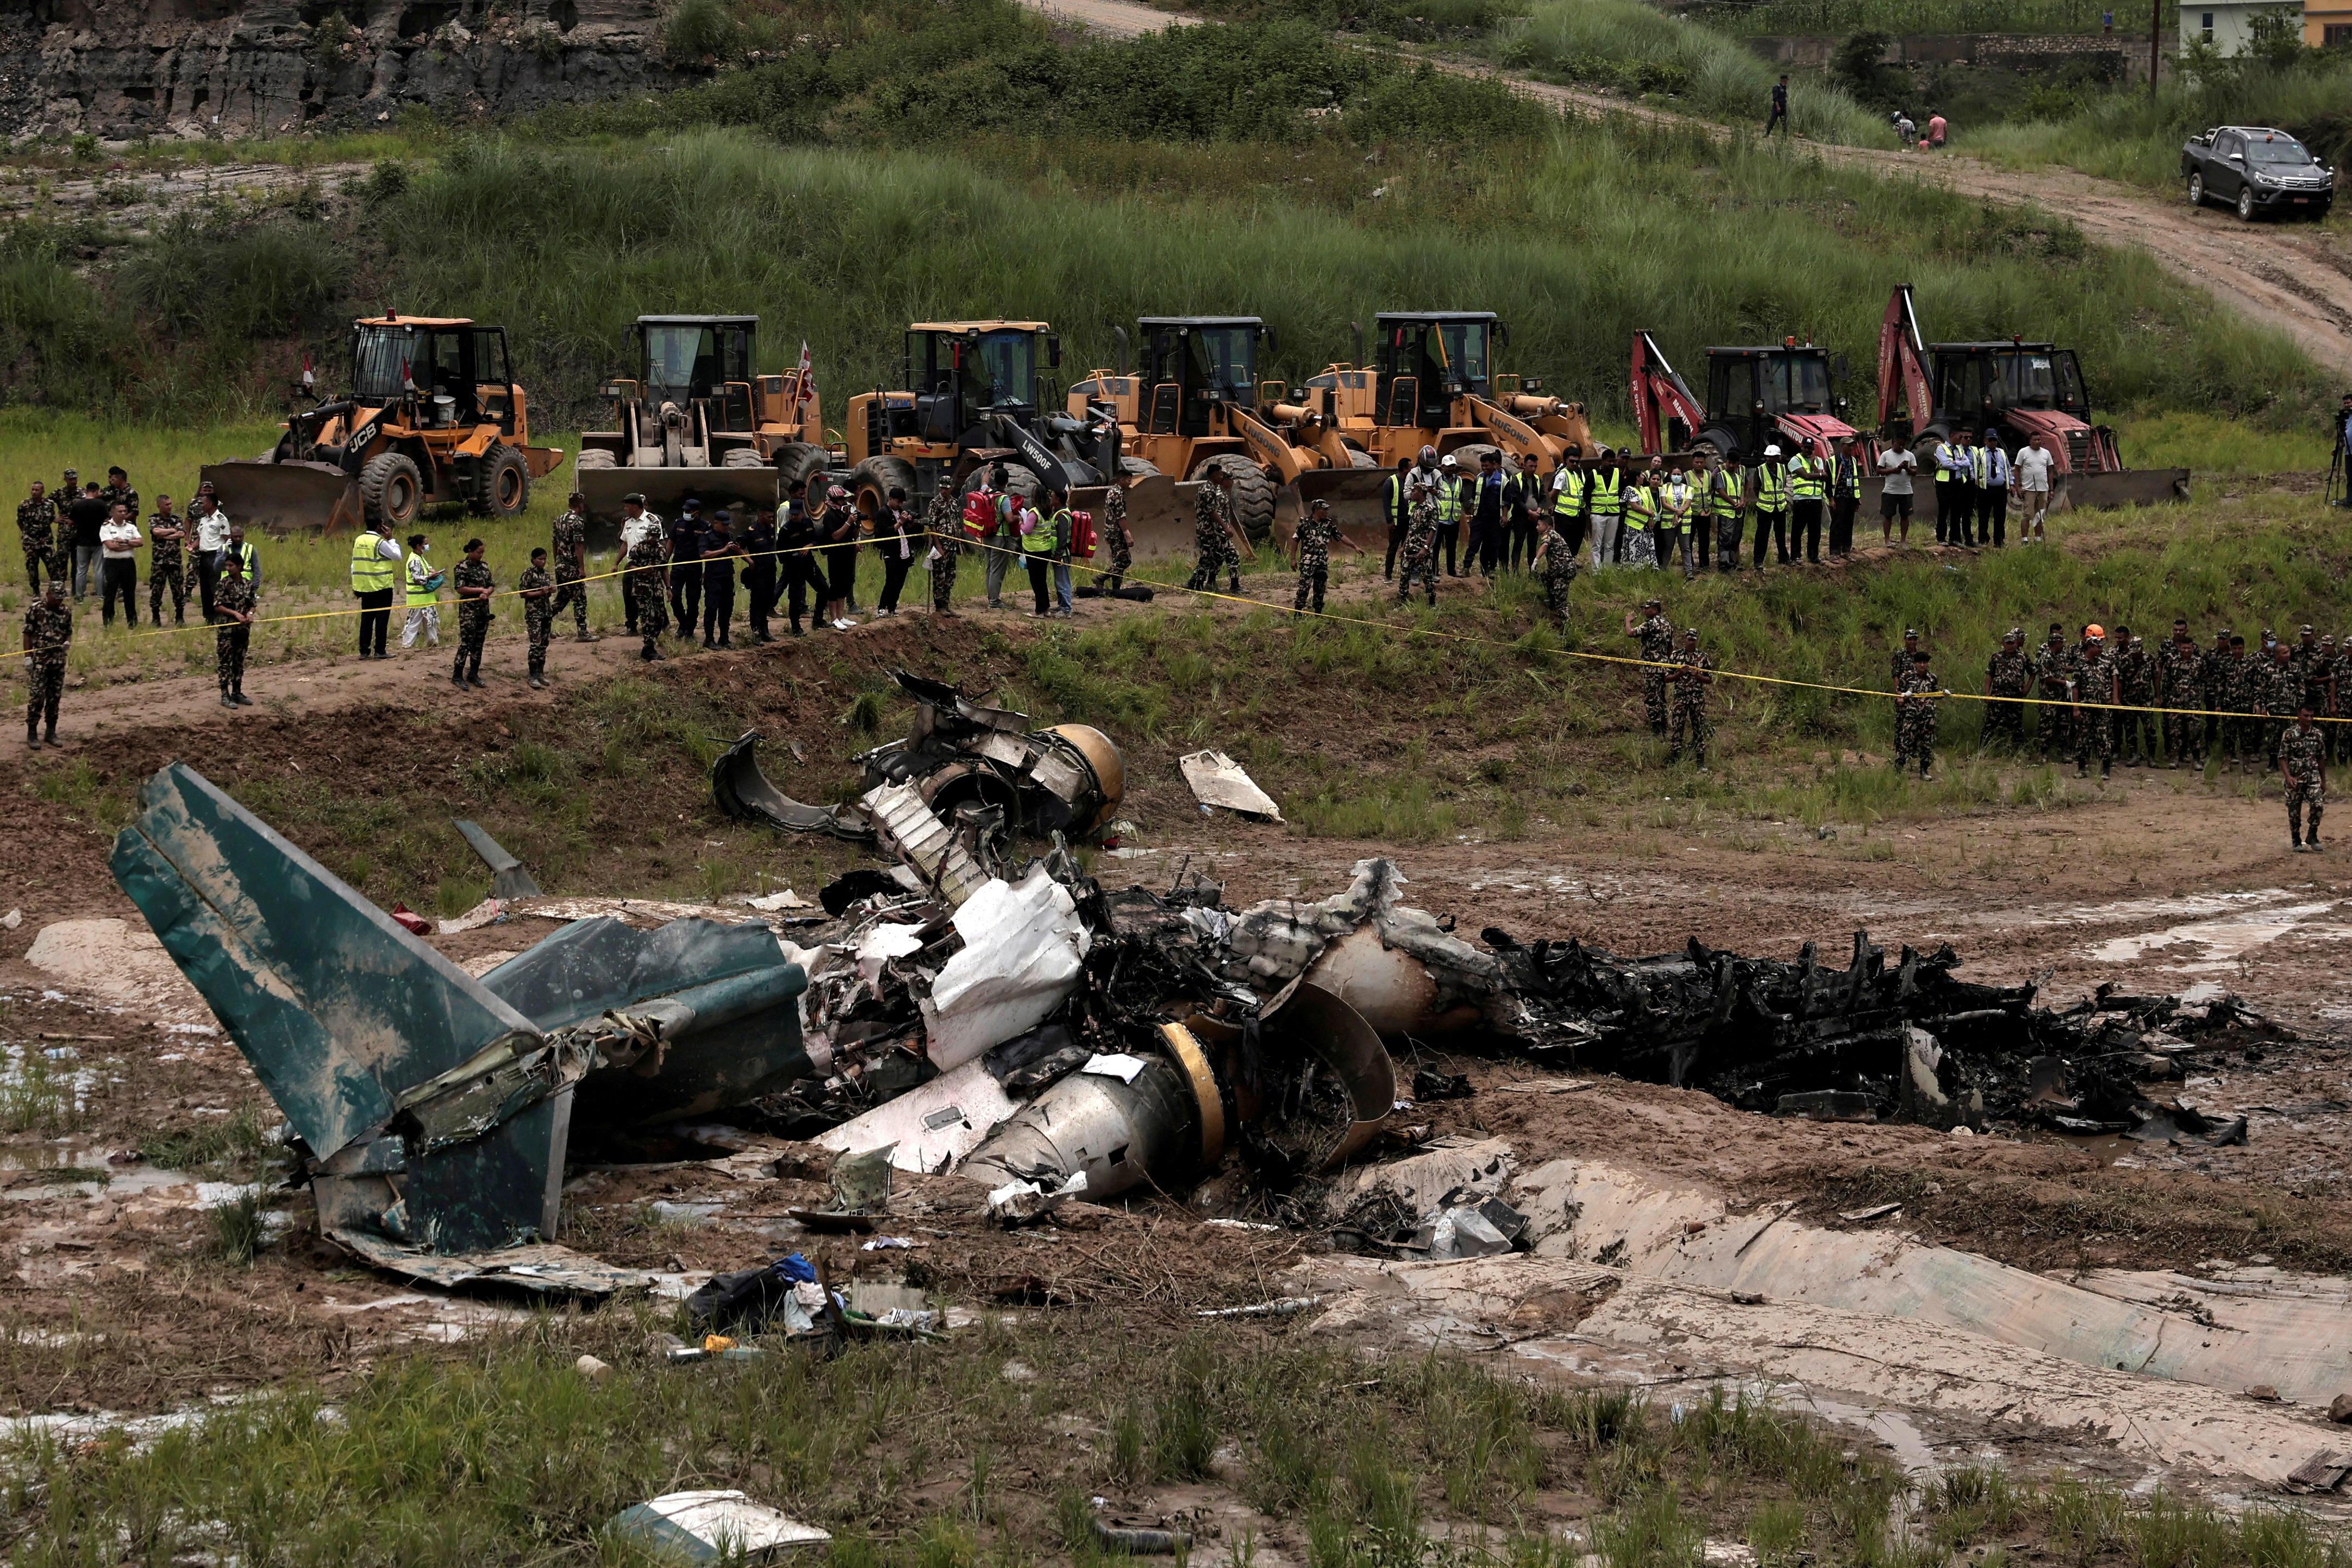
1216	779
712	1527
1121	1066
1019	1202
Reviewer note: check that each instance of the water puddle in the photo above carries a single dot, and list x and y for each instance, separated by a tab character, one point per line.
2221	943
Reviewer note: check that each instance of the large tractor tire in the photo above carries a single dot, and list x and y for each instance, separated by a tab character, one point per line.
595	457
798	460
1465	458
742	457
1138	468
391	492
1359	458
501	484
871	482
1253	494
1019	478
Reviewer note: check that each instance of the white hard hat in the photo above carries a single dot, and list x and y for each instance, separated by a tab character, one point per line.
1447	462
1771	452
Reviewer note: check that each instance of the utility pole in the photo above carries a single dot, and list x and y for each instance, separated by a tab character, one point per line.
2155	21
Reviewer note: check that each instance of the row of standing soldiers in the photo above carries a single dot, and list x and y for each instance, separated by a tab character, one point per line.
2176	704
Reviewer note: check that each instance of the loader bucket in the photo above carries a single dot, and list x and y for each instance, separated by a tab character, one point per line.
1159	516
741	489
1356	495
287	497
2130	487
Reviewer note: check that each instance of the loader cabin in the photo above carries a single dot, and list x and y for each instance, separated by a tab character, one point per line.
1426	362
688	360
1749	389
1974	384
1192	363
456	373
960	372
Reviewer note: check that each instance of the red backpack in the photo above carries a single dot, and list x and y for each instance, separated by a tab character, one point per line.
1082	535
980	513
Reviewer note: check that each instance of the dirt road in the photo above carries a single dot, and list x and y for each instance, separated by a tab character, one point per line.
2293	279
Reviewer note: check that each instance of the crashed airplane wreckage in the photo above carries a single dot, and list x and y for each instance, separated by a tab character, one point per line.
1024	1025
980	772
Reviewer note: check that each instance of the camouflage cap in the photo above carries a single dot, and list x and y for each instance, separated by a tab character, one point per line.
2308	630
73	473
1691	633
2014	635
1909	633
1654	604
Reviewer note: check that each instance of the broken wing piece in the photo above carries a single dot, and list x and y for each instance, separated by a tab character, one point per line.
507	879
744	793
341	1013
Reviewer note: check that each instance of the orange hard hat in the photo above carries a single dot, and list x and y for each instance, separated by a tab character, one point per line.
2095	630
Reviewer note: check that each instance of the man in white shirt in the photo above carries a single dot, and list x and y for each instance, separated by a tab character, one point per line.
211	528
1895	466
117	548
2031	472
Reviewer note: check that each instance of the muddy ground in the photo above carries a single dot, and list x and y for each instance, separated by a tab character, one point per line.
116	1295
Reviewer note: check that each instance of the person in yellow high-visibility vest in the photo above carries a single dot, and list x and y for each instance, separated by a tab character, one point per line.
1726	489
1569	483
1809	489
1605	497
1642	517
375	562
1772	496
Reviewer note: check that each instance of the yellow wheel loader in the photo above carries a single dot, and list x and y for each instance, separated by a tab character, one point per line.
433	417
979	395
1431	383
1198	406
698	420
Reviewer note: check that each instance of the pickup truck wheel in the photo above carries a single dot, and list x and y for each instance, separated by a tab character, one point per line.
2245	204
2197	189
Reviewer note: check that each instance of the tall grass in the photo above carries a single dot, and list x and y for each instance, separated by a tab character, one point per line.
1575	240
1636	48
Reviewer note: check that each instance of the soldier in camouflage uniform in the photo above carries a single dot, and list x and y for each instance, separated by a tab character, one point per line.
2303	761
1657	638
649	598
2234	688
1212	533
2007	674
36	529
2096	684
1915	716
48	638
233	602
2213	677
2053	679
1420	549
2179	676
570	563
475	586
2135	680
1555	558
2319	691
1117	541
2278	696
537	590
1316	536
167	534
1898	663
1692	674
945	525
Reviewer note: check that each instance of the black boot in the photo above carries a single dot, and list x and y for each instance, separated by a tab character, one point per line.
32	737
2104	763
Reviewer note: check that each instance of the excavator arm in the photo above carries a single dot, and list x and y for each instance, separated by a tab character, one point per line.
1901	364
1659	393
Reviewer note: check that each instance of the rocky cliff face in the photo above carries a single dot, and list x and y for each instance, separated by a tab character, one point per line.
226	68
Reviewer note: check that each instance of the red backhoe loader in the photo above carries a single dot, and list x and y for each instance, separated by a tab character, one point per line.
2030	393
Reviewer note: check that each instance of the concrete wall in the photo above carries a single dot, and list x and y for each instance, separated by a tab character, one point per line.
2019	51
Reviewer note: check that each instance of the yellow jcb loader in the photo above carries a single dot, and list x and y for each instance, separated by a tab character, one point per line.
434	415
